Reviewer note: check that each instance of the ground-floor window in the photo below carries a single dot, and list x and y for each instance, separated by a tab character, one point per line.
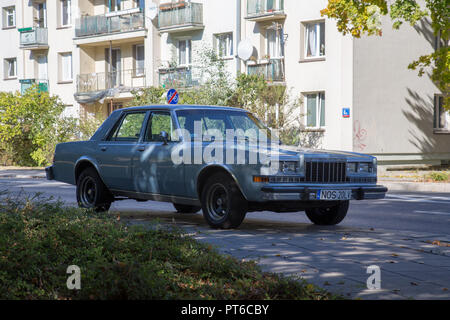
10	68
315	110
441	116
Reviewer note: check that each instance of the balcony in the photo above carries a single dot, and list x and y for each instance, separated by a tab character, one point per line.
33	38
180	16
27	83
118	23
123	81
272	70
178	78
265	10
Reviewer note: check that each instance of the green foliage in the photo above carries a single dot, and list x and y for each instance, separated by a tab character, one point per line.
39	239
31	125
359	17
148	96
439	176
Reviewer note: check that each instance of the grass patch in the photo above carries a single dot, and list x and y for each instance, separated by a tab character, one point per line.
438	176
40	238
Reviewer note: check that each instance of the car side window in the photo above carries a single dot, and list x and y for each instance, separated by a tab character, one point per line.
130	127
159	121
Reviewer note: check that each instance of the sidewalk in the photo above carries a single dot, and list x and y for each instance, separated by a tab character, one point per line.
393	184
22	173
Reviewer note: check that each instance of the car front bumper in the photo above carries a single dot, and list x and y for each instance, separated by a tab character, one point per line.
310	192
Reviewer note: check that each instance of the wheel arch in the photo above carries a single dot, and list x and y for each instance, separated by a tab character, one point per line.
209	171
84	163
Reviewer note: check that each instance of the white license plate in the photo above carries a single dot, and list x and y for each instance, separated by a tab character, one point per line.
333	195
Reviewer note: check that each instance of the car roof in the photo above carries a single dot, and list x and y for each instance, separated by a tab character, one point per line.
181	107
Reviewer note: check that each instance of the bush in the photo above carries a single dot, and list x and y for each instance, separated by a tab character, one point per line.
39	239
439	176
31	125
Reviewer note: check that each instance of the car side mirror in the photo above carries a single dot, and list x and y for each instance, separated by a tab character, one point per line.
165	137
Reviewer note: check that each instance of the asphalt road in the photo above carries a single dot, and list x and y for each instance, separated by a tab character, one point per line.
411	211
407	235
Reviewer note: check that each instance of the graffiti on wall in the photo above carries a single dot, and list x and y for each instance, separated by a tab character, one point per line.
359	136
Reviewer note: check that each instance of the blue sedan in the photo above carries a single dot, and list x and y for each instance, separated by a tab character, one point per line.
220	160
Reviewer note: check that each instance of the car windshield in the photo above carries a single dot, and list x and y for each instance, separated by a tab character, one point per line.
241	123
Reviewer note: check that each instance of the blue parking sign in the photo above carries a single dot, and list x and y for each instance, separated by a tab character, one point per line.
346	112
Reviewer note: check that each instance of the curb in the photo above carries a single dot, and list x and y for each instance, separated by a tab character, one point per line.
417	186
22	176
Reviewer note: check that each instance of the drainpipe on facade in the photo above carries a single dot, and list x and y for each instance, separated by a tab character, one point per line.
238	34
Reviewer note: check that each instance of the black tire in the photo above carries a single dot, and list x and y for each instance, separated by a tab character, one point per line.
328	216
182	208
223	204
92	192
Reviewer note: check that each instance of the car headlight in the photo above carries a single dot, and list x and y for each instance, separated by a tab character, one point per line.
289	167
351	167
364	167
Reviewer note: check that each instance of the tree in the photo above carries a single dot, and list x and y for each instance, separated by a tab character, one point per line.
363	17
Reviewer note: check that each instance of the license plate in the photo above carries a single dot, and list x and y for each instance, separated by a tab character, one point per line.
334	195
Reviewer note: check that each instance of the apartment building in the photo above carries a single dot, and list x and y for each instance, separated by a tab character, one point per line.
358	95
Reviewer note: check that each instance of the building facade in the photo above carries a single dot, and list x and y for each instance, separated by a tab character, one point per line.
357	94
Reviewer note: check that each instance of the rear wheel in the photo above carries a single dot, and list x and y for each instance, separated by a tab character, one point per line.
92	192
182	208
223	204
328	216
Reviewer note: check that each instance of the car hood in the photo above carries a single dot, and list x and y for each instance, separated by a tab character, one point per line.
284	151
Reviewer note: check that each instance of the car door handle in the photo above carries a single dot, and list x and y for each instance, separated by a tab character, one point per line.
141	149
103	149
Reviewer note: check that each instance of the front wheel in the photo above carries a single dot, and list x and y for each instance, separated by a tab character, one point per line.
328	216
223	204
92	192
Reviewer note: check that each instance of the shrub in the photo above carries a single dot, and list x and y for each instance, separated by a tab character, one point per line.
39	239
439	176
31	125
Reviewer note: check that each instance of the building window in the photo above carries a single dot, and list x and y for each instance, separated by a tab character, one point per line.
9	17
139	60
315	110
441	116
274	43
66	12
223	44
66	66
41	15
10	68
184	52
314	40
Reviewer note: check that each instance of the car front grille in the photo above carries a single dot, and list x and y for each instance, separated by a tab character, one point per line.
325	171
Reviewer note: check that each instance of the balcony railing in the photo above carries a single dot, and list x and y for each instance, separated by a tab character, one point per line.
87	26
265	8
177	78
180	15
273	70
33	37
42	84
126	80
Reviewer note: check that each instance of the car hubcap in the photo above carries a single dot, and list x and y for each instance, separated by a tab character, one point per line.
88	192
218	202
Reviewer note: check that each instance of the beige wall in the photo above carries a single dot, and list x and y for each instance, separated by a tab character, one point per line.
393	114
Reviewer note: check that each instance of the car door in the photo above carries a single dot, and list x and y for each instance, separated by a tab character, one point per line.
155	172
115	154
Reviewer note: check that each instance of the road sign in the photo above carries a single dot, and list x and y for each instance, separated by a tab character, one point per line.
172	96
346	112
